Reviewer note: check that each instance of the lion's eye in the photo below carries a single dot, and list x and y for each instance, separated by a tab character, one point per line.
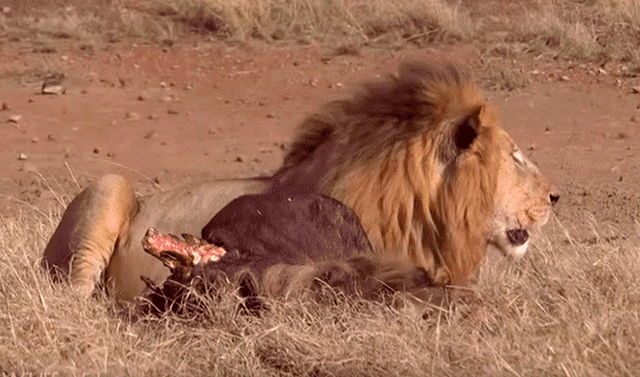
518	157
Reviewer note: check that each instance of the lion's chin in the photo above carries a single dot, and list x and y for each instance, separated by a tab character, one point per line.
511	243
517	252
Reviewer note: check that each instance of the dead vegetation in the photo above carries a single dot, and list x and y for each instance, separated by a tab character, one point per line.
597	30
569	309
583	30
313	20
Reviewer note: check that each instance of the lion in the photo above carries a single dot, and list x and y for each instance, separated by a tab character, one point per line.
421	158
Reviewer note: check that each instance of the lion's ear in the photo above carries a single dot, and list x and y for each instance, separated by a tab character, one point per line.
461	135
466	131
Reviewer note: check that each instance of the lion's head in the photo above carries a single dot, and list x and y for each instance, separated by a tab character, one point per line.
423	161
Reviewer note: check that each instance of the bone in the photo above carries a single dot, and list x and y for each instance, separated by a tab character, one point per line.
180	253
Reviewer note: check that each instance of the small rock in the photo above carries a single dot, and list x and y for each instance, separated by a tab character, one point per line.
635	89
132	116
51	138
141	97
23	156
240	158
172	111
54	88
96	150
153	116
15	118
6	10
67	152
163	84
166	99
602	71
635	119
35	140
29	168
150	135
5	106
564	78
271	115
533	146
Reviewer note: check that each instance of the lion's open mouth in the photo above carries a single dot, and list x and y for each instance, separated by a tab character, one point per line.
518	237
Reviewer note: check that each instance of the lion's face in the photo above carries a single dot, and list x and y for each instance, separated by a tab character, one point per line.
424	162
523	201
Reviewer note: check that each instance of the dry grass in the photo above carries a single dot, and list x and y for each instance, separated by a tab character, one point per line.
557	30
591	30
86	22
355	21
584	30
504	79
570	309
305	20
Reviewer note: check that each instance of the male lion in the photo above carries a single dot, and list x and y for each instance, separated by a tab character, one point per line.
420	157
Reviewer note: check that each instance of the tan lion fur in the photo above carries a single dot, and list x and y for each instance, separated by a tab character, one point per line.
385	154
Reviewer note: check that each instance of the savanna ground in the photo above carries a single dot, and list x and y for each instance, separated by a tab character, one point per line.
168	92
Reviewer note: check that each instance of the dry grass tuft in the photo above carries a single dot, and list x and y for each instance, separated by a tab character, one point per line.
561	30
597	30
84	22
305	20
569	309
583	30
504	79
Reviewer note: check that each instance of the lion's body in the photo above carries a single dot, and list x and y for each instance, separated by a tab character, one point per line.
420	158
117	253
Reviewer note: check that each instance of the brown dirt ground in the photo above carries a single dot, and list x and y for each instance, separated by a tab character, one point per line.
163	116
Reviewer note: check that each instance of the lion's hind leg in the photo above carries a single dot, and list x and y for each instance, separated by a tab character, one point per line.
82	245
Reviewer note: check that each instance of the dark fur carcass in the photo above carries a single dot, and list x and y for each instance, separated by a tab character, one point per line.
277	245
